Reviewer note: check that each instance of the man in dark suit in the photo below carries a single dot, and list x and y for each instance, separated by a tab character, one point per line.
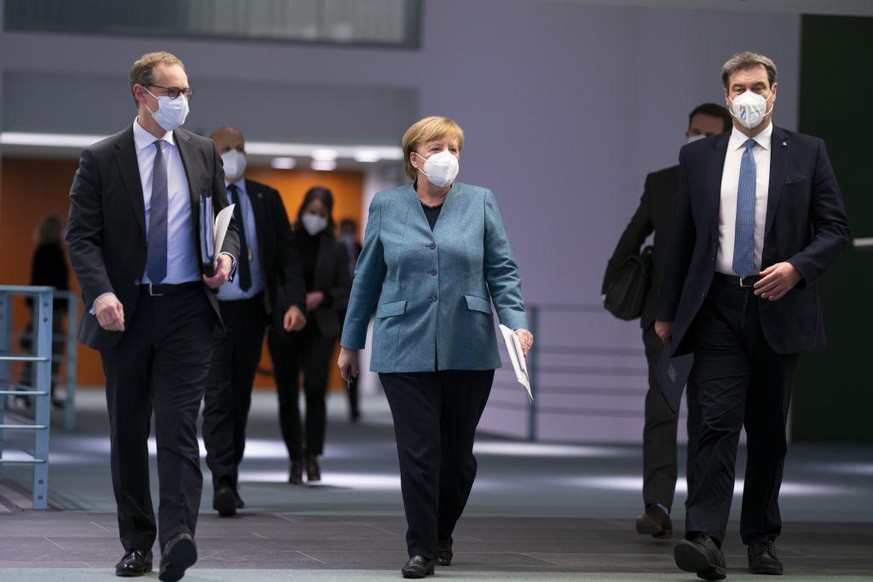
759	217
149	304
268	288
659	432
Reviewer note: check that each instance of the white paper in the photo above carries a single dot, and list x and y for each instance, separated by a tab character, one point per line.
516	356
222	221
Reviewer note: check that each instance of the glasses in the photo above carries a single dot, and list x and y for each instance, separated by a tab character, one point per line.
173	92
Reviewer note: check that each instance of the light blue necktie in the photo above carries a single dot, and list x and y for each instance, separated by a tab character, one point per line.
744	232
157	250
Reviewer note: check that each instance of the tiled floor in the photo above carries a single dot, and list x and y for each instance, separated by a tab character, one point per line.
537	512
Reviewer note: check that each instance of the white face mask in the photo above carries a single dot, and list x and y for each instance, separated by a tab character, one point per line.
313	223
234	165
171	113
441	168
750	109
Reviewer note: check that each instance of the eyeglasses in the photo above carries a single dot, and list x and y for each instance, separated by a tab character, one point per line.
173	92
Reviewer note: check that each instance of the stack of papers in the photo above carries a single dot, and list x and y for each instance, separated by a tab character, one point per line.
516	356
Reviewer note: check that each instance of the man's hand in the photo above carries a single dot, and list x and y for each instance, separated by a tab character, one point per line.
222	271
294	320
776	281
664	329
313	300
526	339
109	312
348	364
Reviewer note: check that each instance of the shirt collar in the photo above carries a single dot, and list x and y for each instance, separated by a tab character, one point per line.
763	139
142	138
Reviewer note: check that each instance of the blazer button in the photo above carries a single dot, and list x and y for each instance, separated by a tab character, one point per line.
433	272
431	246
433	298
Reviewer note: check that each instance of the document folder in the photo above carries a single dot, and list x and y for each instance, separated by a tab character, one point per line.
516	356
672	375
212	232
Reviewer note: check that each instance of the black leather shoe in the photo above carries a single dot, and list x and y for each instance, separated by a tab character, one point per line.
700	555
762	558
224	500
313	471
134	563
445	552
655	522
237	500
178	555
418	567
295	477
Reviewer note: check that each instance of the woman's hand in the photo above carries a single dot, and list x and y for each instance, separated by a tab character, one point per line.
313	300
526	339
348	364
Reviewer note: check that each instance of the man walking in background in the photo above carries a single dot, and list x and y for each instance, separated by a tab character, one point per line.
659	432
268	289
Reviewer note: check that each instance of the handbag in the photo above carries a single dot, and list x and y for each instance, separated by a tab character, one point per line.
626	293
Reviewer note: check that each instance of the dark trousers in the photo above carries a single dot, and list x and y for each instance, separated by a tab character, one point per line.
739	382
435	419
659	433
291	352
229	387
160	364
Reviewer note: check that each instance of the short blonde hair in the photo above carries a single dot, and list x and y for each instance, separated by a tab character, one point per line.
425	130
143	70
745	61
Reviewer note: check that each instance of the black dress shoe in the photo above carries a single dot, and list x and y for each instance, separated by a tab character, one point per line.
224	500
313	471
418	567
295	477
445	552
134	563
178	555
762	558
655	522
700	555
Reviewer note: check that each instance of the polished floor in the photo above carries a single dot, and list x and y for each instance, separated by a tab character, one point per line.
537	511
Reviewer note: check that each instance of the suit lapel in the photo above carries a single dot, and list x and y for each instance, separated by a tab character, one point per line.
189	158
256	199
125	156
714	170
780	144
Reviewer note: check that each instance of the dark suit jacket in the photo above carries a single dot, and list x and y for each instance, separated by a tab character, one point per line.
278	256
106	233
653	214
806	225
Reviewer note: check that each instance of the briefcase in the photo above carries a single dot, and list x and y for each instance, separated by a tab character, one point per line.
627	291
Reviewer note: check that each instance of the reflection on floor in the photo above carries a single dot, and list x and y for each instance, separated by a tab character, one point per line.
537	511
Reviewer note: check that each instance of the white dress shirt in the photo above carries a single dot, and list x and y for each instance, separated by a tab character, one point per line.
182	259
730	179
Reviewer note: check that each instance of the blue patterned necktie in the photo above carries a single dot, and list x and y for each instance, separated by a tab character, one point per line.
157	249
244	269
744	232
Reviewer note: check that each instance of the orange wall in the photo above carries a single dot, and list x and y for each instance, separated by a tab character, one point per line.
30	188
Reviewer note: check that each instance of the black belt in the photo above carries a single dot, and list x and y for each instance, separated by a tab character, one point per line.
733	280
159	289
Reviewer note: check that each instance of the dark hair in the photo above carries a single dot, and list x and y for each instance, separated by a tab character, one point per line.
713	110
317	193
744	61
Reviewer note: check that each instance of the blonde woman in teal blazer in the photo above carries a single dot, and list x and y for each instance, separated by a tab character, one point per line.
435	258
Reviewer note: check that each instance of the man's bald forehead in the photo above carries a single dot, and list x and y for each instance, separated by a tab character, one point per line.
227	132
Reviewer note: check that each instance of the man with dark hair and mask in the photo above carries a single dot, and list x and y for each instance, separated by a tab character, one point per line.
268	290
150	308
759	217
659	431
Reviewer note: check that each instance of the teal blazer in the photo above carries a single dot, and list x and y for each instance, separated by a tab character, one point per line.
433	289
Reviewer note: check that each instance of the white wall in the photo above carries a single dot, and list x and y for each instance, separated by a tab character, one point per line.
565	106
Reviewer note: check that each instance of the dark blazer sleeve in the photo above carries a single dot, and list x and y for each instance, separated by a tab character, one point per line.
830	226
290	271
678	246
633	237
